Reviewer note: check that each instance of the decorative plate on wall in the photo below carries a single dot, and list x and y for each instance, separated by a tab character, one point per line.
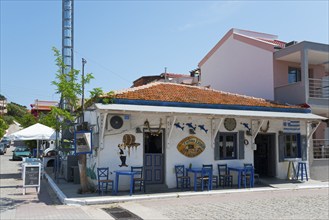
191	146
230	124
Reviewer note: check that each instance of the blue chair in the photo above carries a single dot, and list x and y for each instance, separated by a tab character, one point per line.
205	179
138	178
182	180
224	178
248	175
214	177
103	180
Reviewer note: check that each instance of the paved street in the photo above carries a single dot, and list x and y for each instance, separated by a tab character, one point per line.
276	204
285	204
15	205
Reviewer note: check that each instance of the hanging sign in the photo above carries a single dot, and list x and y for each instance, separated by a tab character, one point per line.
83	142
191	146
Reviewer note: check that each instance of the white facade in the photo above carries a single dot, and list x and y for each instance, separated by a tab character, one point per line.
232	68
106	141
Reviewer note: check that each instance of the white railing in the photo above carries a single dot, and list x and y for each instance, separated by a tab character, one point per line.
321	148
319	88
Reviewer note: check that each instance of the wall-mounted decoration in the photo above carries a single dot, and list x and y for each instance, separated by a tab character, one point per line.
156	133
230	124
246	125
123	155
266	128
203	128
246	142
179	126
128	144
291	126
191	146
190	125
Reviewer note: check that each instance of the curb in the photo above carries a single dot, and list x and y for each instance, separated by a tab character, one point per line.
109	199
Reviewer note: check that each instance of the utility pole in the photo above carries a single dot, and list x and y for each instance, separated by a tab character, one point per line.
83	88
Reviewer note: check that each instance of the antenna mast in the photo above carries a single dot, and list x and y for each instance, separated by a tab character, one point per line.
67	40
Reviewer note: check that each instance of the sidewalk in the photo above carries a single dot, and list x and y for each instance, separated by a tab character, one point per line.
67	191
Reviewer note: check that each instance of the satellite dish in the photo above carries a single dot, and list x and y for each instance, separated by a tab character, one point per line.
116	122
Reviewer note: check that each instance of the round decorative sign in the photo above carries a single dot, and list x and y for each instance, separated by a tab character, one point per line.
229	124
191	146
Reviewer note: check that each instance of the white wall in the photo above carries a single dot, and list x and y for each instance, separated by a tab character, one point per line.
108	156
240	68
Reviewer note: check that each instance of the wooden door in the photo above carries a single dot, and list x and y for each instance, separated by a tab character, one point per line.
153	157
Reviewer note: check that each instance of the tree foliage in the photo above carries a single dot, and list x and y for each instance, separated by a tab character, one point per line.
70	89
3	127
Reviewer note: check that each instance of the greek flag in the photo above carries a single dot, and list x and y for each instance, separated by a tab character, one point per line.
291	126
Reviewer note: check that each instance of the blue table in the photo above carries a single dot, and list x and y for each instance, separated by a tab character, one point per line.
195	171
125	173
240	171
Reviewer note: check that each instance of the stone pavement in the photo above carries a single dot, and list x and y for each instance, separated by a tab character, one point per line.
274	199
67	191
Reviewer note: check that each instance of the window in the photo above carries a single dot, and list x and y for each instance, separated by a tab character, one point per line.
291	147
294	75
227	146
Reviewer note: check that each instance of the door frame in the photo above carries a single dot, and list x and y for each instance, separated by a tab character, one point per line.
163	168
271	154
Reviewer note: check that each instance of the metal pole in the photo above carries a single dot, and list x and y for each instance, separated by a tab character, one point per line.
83	88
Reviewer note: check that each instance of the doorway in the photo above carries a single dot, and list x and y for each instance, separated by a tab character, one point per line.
154	157
264	156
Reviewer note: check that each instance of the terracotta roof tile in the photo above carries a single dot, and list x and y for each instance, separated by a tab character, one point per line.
171	92
276	42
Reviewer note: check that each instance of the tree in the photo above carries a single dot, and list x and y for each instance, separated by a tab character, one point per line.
3	127
70	89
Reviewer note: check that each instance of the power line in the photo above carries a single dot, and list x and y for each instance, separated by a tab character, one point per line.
103	66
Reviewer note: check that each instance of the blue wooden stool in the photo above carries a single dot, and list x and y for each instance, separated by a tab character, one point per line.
302	169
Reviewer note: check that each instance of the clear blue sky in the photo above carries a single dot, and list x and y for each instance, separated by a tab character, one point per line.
124	40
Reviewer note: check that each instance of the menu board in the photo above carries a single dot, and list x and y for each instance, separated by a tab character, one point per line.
31	175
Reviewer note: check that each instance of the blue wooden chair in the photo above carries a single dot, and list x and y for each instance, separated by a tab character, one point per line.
103	180
214	177
224	178
138	178
205	179
248	174
182	180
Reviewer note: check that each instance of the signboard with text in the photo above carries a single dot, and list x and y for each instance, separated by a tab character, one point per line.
83	142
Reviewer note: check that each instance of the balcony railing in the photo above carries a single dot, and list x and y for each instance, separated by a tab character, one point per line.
319	88
321	148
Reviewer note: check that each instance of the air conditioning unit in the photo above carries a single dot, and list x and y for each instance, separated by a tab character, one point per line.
118	122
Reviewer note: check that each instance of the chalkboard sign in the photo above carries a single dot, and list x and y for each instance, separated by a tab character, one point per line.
32	176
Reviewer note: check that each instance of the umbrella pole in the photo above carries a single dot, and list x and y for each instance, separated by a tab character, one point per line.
37	148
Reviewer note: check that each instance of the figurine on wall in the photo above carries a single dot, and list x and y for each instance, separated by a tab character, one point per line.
203	128
179	126
190	125
122	154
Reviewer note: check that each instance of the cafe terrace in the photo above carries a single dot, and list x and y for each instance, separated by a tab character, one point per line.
160	125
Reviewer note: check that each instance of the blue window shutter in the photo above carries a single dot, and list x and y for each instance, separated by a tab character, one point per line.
281	147
299	147
241	144
216	148
303	147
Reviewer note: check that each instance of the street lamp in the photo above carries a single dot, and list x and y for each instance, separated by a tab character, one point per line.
83	88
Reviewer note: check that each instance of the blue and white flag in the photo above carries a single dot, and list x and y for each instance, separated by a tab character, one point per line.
291	126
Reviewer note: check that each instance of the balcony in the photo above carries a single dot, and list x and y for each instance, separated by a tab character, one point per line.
319	88
321	148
